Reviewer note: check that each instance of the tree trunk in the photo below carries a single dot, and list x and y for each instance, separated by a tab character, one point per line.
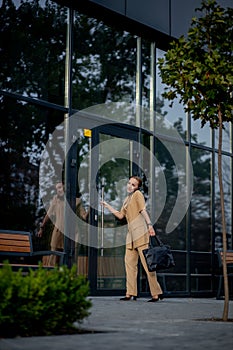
224	235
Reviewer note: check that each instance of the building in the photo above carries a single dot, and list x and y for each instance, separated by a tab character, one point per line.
85	67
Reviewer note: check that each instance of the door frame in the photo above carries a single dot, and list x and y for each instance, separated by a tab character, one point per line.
127	132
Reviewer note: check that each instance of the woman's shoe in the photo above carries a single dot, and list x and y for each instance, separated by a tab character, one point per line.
153	300
129	298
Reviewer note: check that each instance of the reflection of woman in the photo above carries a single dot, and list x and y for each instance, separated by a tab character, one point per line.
56	211
139	229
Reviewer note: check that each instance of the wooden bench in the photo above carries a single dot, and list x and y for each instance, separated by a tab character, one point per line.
229	261
19	244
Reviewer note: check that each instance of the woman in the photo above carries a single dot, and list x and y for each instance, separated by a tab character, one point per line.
139	230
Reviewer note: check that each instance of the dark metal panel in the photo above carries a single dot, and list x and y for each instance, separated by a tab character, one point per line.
119	20
117	6
153	13
151	18
182	12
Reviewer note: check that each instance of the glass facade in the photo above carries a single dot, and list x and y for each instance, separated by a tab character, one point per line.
58	63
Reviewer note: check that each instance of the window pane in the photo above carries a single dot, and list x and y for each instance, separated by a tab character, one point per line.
175	114
226	166
166	195
199	134
201	201
104	63
33	52
25	130
226	138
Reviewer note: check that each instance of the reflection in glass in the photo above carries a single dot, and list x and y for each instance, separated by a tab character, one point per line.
34	52
104	62
25	129
226	137
114	164
226	173
200	135
175	114
177	237
83	191
201	201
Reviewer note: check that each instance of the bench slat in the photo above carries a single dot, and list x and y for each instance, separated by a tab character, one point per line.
15	242
10	248
11	237
229	262
19	244
229	257
9	243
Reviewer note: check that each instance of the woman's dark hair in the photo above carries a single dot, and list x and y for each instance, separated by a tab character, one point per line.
139	180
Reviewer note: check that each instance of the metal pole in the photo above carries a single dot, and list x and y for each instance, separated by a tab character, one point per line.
152	128
102	220
139	101
69	162
139	82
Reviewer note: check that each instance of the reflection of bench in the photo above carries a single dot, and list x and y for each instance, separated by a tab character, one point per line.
111	267
107	266
111	272
229	261
17	245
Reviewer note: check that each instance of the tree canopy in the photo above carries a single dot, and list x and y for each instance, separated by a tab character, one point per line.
199	68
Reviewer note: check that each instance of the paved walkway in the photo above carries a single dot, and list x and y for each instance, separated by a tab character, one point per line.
140	325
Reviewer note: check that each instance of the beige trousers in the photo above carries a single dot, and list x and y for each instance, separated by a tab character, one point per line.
131	267
51	260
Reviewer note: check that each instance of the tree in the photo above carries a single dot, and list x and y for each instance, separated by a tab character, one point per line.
199	70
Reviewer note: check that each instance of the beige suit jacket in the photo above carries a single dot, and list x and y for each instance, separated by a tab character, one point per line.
137	234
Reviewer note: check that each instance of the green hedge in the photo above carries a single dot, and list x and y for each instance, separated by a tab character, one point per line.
42	302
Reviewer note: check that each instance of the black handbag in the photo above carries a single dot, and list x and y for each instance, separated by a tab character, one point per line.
158	257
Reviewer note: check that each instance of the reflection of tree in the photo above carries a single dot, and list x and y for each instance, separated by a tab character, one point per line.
226	165
33	40
27	54
20	148
104	63
200	205
33	43
32	64
112	172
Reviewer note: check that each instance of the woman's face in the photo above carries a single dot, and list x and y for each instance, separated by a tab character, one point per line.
132	185
60	189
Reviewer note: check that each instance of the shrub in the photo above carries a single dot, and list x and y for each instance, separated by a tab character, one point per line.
42	302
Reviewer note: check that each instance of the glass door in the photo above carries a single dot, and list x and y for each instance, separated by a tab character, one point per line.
107	156
113	162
